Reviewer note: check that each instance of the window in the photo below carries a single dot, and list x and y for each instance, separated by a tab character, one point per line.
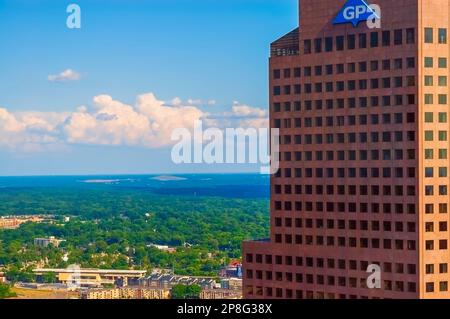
373	65
398	37
362	66
363	86
351	85
328	44
287	73
307	71
277	90
362	37
428	80
308	88
442	63
428	35
339	43
351	67
287	89
386	38
307	47
443	172
429	269
318	45
410	63
276	74
428	62
318	70
442	81
442	34
374	39
351	42
410	36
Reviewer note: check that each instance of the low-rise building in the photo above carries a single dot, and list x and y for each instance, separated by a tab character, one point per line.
94	277
13	222
167	281
220	294
165	248
231	283
45	242
233	270
9	223
2	278
125	293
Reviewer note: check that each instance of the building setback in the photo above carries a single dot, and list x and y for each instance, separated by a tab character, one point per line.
363	118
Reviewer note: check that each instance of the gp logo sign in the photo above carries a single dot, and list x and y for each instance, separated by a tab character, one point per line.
355	11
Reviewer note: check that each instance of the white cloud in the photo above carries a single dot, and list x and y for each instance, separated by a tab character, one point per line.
148	123
176	101
29	131
194	102
241	115
65	76
191	102
245	111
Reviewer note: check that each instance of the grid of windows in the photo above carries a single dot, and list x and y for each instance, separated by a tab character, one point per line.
333	145
372	39
353	163
435	162
438	36
307	273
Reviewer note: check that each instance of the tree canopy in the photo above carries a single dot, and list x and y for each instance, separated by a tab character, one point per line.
117	228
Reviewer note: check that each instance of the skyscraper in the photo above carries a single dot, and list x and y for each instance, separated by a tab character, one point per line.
364	128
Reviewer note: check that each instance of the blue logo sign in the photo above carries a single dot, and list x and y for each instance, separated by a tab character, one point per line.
355	11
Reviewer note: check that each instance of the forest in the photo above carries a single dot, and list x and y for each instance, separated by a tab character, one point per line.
116	228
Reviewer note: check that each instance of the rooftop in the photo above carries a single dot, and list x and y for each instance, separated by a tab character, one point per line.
90	271
287	45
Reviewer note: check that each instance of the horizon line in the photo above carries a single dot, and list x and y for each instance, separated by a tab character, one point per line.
137	174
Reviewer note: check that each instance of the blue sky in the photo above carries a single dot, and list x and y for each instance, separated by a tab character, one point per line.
203	50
